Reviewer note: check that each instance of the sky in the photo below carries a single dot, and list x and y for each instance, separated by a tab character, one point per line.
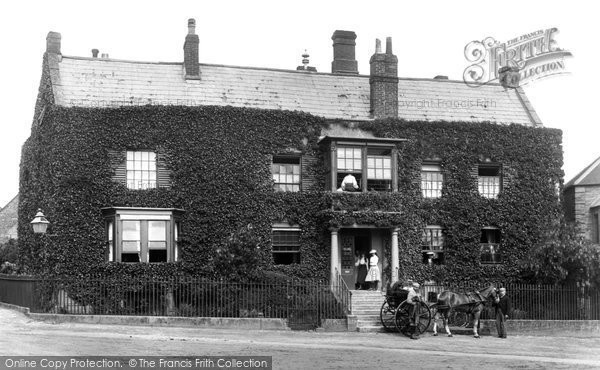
429	38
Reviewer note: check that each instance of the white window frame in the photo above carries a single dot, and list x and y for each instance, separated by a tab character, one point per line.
489	186
141	169
115	216
432	180
428	246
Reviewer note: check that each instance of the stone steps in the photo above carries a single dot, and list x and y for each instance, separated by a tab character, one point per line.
366	306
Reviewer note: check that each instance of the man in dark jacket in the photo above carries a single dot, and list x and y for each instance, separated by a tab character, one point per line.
503	308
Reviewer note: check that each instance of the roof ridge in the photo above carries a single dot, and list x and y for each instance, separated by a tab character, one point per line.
576	180
437	80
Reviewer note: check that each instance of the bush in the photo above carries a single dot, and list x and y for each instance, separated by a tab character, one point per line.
8	251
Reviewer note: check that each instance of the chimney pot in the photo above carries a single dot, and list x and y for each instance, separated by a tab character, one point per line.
95	53
377	46
344	59
388	45
53	42
104	55
191	26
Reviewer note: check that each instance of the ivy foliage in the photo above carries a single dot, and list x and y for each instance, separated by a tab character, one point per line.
220	161
563	257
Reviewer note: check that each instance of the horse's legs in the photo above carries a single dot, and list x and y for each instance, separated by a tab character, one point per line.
476	323
446	323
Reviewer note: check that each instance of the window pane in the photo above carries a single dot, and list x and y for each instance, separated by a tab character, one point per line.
130	257
141	170
286	173
157	255
157	230
129	156
110	231
131	230
157	245
131	246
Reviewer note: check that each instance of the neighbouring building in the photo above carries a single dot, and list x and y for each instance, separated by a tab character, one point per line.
582	201
9	220
153	167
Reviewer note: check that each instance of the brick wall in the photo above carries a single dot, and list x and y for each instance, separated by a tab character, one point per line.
584	196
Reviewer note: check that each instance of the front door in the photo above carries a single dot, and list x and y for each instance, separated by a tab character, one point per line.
354	244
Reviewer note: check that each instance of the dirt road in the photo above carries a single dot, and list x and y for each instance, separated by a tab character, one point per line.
297	350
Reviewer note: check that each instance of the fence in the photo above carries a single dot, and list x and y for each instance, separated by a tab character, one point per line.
536	302
303	303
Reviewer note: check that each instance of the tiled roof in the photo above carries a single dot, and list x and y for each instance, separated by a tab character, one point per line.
91	82
9	220
589	176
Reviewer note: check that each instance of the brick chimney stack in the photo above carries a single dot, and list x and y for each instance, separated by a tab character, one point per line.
384	81
53	42
190	52
344	59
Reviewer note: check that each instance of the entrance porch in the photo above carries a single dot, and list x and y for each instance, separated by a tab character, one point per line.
349	243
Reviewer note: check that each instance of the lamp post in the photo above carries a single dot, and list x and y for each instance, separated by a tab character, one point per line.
39	223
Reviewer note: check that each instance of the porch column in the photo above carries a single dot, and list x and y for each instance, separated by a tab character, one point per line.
395	255
334	254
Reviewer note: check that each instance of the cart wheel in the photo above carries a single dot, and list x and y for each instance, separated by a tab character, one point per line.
387	315
424	317
403	319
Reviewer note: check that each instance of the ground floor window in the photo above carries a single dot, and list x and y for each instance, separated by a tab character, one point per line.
433	245
142	234
490	245
286	245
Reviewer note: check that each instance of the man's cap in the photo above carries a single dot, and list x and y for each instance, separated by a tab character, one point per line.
373	251
416	285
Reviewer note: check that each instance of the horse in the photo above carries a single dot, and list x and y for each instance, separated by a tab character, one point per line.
470	303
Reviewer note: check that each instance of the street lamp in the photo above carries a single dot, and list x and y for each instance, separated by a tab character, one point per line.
39	223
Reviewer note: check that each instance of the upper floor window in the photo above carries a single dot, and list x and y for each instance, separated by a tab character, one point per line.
142	234
433	245
360	165
379	169
349	162
490	245
141	169
431	180
489	180
286	173
286	245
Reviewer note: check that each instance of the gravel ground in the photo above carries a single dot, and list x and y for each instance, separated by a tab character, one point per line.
22	336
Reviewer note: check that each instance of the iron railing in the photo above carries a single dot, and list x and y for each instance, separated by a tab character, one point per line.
340	290
535	302
303	303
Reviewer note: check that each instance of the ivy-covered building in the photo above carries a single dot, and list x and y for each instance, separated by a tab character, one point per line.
156	167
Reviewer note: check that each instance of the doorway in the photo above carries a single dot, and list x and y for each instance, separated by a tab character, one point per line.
354	244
